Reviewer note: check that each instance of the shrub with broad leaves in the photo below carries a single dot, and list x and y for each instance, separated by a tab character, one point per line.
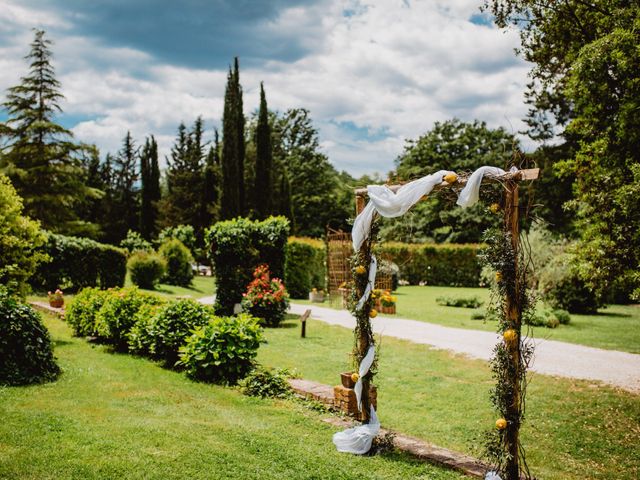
223	351
161	332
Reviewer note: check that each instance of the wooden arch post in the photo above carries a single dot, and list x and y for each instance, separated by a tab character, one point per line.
513	308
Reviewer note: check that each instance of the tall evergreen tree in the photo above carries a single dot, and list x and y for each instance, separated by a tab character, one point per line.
263	187
39	155
124	210
185	179
210	206
149	188
233	149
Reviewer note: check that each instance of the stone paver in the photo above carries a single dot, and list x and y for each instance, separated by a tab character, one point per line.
619	369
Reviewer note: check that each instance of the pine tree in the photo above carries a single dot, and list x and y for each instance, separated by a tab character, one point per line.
150	188
263	188
211	189
124	211
185	179
39	156
233	149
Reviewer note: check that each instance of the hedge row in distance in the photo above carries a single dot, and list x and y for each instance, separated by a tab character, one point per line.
237	247
79	262
305	266
454	265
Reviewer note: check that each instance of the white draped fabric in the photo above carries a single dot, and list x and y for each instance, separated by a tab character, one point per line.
385	202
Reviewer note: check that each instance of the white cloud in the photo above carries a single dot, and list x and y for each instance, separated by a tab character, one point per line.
389	66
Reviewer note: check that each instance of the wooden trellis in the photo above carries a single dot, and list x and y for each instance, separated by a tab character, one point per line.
513	309
339	251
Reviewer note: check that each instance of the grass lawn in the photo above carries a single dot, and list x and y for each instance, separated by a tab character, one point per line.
113	416
200	287
616	327
574	429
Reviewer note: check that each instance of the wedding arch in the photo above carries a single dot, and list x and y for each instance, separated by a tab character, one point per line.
511	355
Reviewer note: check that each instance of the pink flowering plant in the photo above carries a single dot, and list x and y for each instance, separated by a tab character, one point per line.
56	298
266	298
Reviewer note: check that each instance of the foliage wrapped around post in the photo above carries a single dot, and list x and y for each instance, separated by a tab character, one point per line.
237	247
512	355
361	264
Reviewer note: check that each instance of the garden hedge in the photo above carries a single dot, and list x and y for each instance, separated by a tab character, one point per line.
454	265
237	247
305	266
79	262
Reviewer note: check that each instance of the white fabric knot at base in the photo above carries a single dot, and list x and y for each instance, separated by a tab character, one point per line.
358	439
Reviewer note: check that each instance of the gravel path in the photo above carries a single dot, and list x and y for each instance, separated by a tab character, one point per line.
615	368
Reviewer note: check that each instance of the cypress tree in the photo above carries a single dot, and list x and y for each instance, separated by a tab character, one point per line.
263	187
39	155
150	188
233	150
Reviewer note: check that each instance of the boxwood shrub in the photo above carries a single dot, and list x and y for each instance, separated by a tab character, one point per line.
305	266
146	268
26	354
178	259
77	262
223	351
237	247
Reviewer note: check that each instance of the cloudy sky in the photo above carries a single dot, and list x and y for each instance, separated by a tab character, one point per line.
372	73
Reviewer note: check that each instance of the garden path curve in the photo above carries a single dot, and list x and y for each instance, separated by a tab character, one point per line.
612	367
615	368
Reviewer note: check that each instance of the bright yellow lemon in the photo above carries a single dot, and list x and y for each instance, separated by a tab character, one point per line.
373	313
510	335
360	270
450	177
501	424
355	377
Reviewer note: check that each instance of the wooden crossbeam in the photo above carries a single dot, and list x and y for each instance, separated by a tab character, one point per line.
519	176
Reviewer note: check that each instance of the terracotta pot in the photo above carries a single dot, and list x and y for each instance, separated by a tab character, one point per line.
55	303
388	310
347	381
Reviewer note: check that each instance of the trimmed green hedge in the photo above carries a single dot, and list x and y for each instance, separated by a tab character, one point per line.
237	247
305	266
79	262
454	265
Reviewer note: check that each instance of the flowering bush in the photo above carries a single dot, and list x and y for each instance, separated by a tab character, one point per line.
387	300
56	299
266	298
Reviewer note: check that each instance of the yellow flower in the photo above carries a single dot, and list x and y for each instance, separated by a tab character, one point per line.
373	313
450	177
360	270
355	377
510	335
501	424
495	208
